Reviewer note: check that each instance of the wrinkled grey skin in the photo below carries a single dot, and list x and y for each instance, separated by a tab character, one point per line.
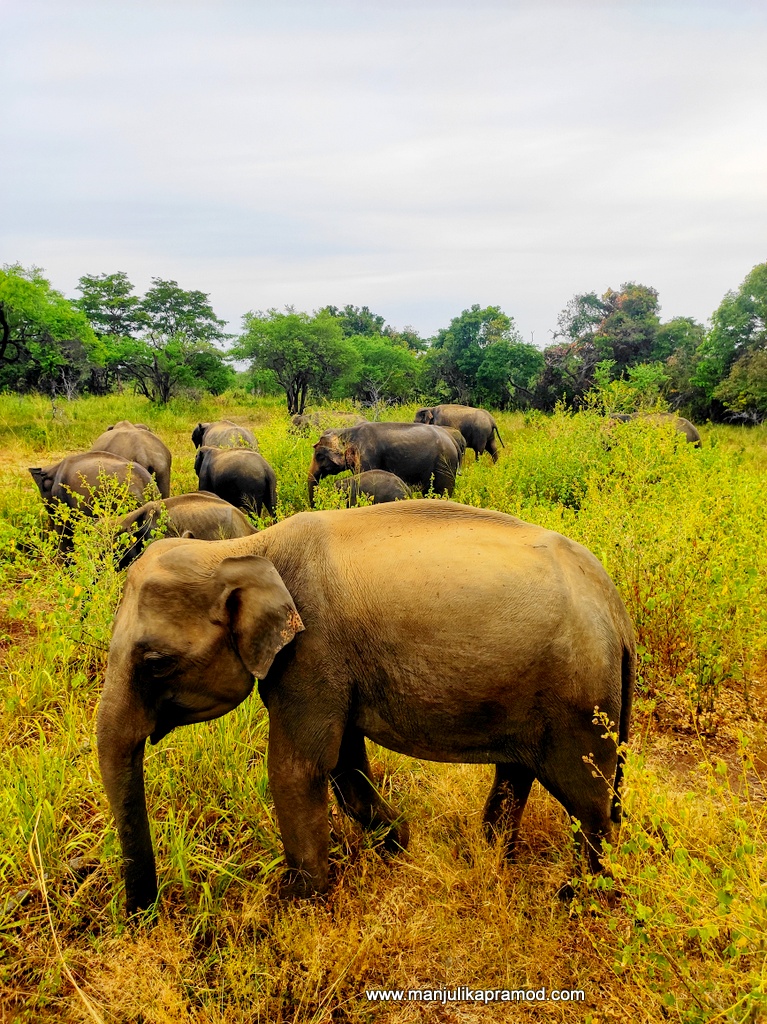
329	418
459	441
78	478
135	442
238	475
201	515
224	434
326	609
419	455
376	484
662	418
476	425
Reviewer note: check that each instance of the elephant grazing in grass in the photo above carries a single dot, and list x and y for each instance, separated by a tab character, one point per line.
201	515
224	434
327	611
238	475
136	443
477	426
77	481
421	456
375	484
663	419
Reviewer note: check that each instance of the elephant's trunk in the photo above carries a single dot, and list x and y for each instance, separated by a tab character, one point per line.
122	729
315	475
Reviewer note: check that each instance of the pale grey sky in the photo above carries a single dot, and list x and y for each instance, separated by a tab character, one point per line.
413	157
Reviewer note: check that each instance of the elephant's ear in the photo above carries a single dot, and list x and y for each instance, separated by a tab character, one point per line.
257	607
331	452
352	458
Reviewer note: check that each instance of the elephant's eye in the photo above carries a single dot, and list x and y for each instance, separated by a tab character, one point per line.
159	665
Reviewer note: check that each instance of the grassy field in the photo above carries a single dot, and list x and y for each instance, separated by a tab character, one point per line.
683	533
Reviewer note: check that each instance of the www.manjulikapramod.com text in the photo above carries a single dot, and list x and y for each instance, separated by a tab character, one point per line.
464	994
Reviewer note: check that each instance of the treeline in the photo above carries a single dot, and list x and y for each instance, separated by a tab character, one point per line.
170	340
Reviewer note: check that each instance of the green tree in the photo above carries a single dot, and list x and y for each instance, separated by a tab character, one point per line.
162	342
110	305
356	321
304	352
457	352
387	372
45	340
507	374
738	334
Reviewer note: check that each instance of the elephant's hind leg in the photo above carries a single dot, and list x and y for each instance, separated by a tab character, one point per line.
505	804
358	797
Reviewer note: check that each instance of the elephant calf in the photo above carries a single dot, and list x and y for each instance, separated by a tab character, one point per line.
201	515
238	475
348	619
78	480
376	484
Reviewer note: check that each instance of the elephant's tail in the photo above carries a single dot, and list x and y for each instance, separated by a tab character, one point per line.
497	431
628	678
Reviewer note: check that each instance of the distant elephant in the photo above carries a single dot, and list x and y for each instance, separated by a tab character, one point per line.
136	443
78	479
238	475
201	515
328	611
224	434
477	426
326	418
679	423
419	455
376	484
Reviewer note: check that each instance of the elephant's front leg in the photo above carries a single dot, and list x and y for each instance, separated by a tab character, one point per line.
299	788
358	797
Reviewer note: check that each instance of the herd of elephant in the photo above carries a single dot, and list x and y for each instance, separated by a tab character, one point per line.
386	459
435	629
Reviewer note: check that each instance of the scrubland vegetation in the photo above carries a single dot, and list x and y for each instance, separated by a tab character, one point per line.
683	533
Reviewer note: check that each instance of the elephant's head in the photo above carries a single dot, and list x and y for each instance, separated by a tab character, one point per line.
198	433
200	458
331	456
190	635
424	416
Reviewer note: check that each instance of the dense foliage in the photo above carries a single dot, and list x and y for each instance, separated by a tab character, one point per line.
170	341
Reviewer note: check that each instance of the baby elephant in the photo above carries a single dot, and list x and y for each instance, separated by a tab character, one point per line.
376	484
238	475
201	515
78	479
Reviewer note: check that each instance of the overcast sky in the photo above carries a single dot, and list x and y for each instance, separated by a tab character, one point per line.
415	157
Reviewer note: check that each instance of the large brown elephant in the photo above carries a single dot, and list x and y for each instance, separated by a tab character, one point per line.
421	456
477	426
78	480
201	515
135	442
522	636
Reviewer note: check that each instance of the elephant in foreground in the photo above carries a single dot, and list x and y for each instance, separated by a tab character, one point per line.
376	484
459	441
238	475
329	418
135	442
201	515
224	434
78	480
679	423
476	425
327	611
421	456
